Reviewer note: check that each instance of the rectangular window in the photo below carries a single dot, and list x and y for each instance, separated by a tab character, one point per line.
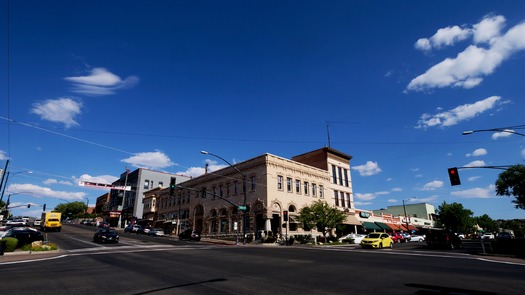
348	200
334	174
314	190
279	182
298	186
289	184
306	188
321	191
342	195
252	181
228	190
340	176
146	184
161	184
346	177
235	187
336	197
220	190
214	192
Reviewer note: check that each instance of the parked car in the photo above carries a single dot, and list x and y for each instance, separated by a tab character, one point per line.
156	232
397	238
406	236
487	236
352	238
377	240
37	222
144	230
105	235
417	238
24	235
132	228
190	235
443	238
504	236
103	224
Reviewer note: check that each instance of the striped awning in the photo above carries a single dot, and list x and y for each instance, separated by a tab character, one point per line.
371	225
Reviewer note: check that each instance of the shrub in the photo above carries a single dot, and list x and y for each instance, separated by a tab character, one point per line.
38	246
10	244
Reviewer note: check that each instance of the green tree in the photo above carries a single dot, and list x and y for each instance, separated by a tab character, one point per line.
511	182
73	209
487	223
455	217
322	216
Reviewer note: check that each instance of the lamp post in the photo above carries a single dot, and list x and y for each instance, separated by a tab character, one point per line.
244	193
405	210
502	129
7	179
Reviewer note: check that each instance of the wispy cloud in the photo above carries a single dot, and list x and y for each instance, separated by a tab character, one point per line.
477	153
368	169
152	160
459	113
100	81
3	155
478	60
433	185
61	110
478	163
45	192
476	193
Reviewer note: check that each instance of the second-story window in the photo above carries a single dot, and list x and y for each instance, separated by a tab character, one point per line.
306	188
289	184
314	190
146	184
252	181
346	177
235	187
336	198
298	186
279	182
321	191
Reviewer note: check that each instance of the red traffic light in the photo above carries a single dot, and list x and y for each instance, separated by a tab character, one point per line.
453	175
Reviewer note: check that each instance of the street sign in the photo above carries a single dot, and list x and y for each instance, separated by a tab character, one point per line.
242	208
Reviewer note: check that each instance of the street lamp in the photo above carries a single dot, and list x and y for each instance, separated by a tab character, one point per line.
244	193
7	179
502	129
405	210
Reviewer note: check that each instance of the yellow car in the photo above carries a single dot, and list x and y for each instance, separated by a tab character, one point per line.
377	240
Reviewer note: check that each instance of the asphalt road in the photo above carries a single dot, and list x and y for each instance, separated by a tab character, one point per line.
147	265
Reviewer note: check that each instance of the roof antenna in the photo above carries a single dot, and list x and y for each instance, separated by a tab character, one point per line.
328	132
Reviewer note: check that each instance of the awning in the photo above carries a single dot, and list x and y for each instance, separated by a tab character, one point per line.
383	226
411	227
352	220
403	228
371	225
392	226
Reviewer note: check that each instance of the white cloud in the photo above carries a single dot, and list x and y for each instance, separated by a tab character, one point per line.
428	199
55	181
153	160
368	169
443	37
3	155
433	185
365	196
476	193
502	134
473	178
469	67
101	82
45	192
477	163
459	113
360	204
62	110
397	189
198	171
477	153
104	179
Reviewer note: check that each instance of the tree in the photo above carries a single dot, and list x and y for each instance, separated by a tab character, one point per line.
77	209
487	223
322	216
511	182
455	217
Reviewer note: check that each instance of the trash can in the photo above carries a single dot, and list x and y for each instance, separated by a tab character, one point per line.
3	244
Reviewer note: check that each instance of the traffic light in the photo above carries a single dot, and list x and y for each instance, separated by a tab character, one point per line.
172	186
285	215
28	205
44	207
454	176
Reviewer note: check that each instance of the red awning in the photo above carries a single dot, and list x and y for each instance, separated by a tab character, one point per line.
393	226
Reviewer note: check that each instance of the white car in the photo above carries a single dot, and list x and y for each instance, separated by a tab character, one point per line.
37	222
487	236
416	238
356	237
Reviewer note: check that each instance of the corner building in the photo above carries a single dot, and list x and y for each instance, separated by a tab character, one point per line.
208	203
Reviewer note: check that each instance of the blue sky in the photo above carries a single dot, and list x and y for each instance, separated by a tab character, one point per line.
89	88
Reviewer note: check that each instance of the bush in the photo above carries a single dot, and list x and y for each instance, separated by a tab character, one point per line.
10	244
38	246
